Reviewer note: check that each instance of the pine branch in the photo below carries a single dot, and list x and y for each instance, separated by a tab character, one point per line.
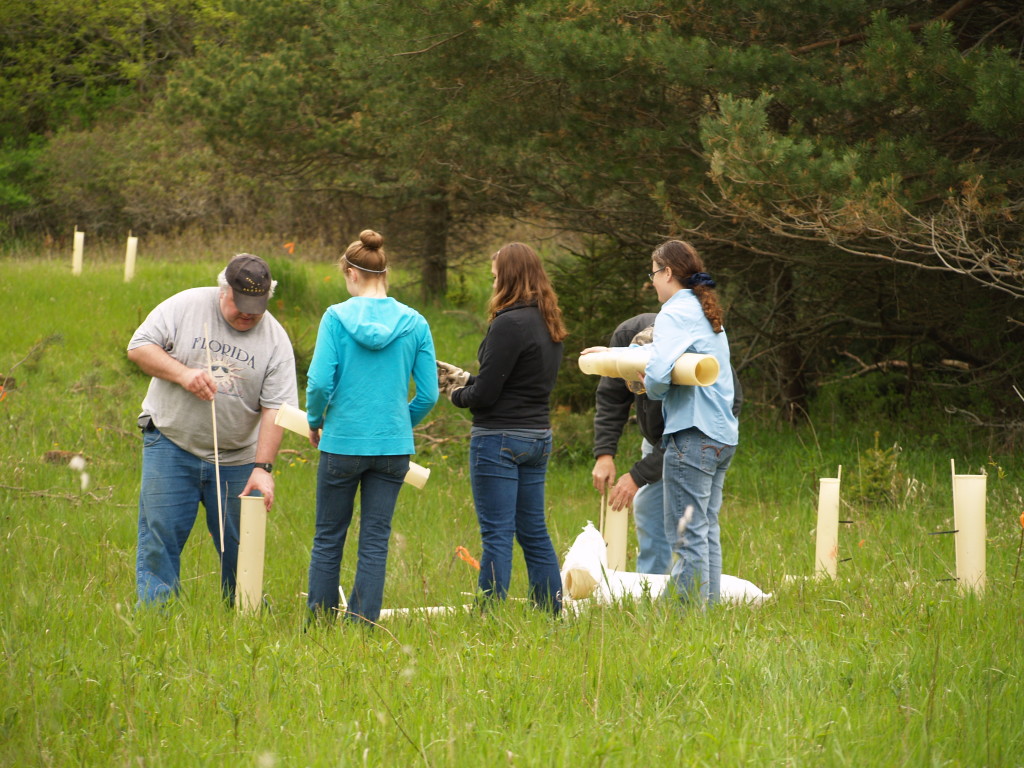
839	42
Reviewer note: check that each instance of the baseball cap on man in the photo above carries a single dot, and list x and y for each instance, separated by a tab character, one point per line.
249	278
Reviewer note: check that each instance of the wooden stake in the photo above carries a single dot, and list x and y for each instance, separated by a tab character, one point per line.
216	450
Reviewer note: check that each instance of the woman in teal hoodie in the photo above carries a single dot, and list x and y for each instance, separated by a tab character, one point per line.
361	419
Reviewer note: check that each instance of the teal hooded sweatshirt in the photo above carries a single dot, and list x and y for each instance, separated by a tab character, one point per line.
366	351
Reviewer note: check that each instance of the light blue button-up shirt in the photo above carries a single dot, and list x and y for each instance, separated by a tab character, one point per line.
679	328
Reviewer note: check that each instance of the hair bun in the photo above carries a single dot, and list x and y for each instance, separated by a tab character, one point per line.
370	239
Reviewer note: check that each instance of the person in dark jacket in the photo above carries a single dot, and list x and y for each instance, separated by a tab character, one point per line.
641	486
510	441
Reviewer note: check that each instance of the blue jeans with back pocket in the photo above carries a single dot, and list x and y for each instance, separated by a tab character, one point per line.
507	472
174	483
693	477
339	476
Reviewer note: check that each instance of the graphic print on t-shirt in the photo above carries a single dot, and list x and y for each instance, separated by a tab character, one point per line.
227	375
227	364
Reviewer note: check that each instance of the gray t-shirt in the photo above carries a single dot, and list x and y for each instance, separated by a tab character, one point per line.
253	369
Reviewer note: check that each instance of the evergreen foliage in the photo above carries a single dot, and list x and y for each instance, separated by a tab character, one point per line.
852	171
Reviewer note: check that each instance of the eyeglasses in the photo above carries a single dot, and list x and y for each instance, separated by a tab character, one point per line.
652	274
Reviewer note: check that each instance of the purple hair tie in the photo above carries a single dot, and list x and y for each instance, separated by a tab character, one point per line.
700	278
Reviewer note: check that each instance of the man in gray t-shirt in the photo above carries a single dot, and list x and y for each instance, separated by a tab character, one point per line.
201	344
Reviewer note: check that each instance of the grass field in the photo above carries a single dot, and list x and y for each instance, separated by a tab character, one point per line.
888	665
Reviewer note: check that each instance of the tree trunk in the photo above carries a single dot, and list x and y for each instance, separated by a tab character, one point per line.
791	371
434	272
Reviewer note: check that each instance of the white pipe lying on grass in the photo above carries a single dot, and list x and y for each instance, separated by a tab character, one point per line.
969	522
587	580
586	575
434	610
629	362
252	537
294	419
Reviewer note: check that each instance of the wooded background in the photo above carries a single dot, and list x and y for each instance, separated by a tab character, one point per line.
851	170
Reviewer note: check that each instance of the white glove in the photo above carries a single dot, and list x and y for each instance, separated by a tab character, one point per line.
450	378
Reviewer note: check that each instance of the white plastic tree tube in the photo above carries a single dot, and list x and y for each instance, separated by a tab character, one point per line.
129	258
615	530
826	549
252	537
76	252
969	522
629	362
294	420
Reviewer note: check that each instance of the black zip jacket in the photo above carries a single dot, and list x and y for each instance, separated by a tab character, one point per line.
518	367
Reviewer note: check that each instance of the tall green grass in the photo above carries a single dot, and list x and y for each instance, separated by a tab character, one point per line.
888	665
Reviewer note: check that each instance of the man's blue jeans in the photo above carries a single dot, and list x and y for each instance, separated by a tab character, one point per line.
694	474
507	472
174	483
338	476
655	551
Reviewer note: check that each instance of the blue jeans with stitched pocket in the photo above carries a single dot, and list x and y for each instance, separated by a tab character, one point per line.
507	472
694	475
379	479
655	551
174	483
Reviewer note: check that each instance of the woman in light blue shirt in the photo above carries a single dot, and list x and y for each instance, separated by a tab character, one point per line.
701	431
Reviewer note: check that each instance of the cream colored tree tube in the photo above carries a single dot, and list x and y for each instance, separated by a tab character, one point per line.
294	420
629	362
78	248
826	549
969	522
252	536
616	528
579	583
129	258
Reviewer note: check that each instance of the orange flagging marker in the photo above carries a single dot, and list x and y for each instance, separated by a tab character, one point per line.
464	555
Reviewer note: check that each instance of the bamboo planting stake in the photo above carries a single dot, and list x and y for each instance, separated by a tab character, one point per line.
216	450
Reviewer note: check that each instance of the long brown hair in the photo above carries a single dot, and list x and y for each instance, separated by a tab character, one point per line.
688	268
521	279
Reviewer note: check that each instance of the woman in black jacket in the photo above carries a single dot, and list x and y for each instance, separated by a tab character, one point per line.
510	441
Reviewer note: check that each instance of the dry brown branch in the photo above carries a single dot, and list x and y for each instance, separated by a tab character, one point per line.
74	498
839	42
978	421
881	365
61	457
433	45
960	237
